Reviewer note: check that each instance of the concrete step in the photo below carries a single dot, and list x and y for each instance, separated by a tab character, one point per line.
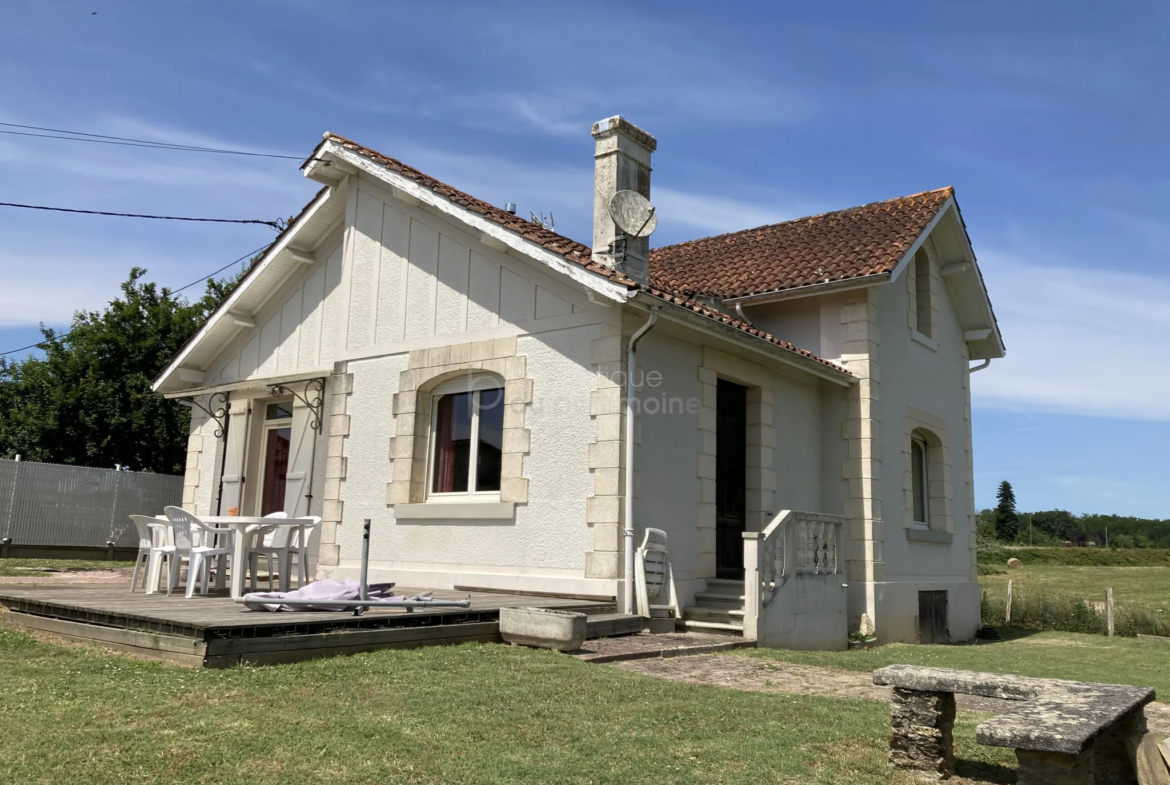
709	626
724	588
719	599
709	613
607	625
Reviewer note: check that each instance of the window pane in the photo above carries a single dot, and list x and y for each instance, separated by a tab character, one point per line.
918	470
275	470
491	440
278	411
452	444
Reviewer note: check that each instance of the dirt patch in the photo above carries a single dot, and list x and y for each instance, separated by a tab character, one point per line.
121	575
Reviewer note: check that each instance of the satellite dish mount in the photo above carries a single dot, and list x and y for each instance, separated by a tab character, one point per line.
634	217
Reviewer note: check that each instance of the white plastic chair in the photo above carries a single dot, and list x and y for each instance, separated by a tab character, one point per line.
299	547
152	546
198	539
268	541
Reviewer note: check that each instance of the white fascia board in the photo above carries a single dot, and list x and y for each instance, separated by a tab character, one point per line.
412	190
904	262
228	305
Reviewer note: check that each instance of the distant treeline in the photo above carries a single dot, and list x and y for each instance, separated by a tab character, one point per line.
1057	527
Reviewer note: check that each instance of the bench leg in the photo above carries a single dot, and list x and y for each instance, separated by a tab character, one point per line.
1054	768
1107	761
923	732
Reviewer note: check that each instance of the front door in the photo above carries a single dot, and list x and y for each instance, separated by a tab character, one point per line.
730	479
274	471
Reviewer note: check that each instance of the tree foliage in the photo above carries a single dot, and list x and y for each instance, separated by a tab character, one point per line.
88	400
1007	520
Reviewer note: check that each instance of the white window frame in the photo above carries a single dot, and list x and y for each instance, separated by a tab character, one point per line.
924	467
464	384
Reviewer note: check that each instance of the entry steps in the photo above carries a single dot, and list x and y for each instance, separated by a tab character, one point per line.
608	625
720	608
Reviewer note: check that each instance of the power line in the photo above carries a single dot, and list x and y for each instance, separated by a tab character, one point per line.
277	225
122	141
248	255
128	142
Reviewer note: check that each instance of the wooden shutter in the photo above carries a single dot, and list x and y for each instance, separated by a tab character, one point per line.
299	480
233	466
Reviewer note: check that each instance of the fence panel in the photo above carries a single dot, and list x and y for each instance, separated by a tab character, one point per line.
46	504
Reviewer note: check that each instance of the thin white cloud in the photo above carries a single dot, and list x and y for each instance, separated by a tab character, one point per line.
1080	341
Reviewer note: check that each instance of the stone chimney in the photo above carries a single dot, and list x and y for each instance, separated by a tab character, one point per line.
621	163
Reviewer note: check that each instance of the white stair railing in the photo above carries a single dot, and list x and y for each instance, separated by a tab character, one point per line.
794	543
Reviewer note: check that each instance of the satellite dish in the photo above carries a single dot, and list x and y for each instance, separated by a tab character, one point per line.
633	214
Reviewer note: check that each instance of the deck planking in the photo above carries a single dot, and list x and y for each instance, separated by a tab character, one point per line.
214	631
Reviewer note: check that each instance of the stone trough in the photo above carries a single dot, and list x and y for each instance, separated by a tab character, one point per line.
1064	732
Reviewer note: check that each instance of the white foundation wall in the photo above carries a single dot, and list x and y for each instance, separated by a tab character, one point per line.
667	446
543	547
930	379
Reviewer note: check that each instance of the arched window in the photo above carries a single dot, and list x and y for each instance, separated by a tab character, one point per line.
467	434
920	480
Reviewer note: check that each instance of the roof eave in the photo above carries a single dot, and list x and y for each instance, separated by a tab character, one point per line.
680	313
281	244
409	190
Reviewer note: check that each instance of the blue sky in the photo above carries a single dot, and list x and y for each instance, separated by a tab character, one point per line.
1049	119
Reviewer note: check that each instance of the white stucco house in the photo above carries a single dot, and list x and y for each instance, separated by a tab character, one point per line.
800	423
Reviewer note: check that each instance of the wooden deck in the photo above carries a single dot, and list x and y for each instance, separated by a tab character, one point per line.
214	631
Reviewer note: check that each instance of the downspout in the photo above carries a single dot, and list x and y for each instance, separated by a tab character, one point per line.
628	588
981	366
743	317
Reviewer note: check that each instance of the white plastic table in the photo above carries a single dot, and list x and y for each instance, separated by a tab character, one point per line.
239	551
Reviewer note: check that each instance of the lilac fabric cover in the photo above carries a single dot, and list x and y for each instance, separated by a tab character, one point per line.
319	590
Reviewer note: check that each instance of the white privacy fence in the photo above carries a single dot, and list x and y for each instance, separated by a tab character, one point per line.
53	505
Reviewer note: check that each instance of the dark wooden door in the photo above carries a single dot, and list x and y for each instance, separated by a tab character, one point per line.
932	617
730	479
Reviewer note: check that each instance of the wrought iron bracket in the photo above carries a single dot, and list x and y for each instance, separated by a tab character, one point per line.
316	405
219	414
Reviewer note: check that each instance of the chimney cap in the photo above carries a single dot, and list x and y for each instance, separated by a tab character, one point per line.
510	207
618	124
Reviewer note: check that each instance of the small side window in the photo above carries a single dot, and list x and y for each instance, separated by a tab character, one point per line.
920	484
924	306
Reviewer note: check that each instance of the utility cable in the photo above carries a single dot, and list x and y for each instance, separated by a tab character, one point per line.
122	141
248	255
277	225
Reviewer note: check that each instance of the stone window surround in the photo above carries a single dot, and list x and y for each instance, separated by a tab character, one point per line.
426	370
761	445
932	429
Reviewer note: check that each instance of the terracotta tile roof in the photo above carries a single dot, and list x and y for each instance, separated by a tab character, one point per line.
853	243
571	250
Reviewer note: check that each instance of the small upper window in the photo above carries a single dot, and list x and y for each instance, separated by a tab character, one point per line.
920	484
278	411
467	439
923	305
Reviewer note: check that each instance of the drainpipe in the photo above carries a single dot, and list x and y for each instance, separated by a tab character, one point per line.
742	315
981	366
628	589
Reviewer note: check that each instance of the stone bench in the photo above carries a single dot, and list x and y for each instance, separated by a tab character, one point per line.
1063	732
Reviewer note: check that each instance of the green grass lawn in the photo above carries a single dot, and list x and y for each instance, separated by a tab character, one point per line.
1055	655
1147	587
465	714
27	567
